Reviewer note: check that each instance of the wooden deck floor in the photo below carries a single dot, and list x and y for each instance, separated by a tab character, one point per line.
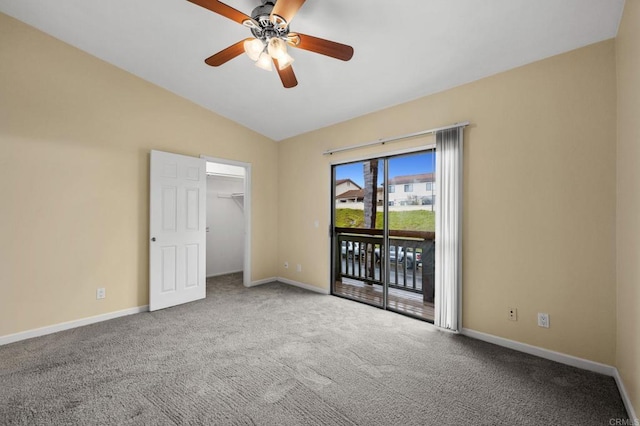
398	300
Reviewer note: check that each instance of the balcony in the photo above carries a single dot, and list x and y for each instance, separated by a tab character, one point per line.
360	269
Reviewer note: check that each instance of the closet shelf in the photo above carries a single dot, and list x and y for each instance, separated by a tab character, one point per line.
231	195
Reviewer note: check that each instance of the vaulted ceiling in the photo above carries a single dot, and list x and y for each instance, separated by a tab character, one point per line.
403	49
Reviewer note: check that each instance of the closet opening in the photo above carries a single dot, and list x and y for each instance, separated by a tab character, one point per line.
227	218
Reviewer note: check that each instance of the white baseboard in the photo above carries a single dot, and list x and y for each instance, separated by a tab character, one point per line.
23	335
625	398
260	282
571	360
303	285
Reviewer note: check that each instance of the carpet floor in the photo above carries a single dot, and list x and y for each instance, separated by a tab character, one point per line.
279	355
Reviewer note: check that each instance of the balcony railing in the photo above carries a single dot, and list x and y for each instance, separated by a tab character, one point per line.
361	255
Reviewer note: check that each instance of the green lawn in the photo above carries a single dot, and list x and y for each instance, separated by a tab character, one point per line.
415	220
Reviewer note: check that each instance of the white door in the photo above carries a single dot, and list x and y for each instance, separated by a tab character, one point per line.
177	230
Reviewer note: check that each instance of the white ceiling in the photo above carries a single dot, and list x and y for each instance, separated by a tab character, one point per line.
403	49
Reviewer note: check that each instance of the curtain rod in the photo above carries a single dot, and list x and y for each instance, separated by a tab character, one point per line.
396	138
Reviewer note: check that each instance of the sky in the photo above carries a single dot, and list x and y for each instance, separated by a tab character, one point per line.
398	166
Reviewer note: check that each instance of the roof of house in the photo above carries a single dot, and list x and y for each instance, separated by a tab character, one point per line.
341	181
422	177
354	194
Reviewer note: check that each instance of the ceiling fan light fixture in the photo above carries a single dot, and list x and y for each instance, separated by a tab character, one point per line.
277	48
264	61
253	48
269	25
285	61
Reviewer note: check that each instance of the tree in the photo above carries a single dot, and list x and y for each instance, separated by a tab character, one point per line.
370	205
370	193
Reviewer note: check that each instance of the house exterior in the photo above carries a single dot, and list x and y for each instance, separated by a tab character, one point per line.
407	190
357	196
412	190
346	185
352	196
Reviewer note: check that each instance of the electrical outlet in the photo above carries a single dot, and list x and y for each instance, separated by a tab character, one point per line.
543	320
513	314
299	268
286	265
101	293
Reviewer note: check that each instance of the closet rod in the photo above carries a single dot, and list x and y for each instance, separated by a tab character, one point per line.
395	138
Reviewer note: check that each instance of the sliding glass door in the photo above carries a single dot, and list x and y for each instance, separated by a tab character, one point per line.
383	232
358	231
411	219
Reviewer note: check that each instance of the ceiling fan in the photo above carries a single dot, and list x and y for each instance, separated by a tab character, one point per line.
269	24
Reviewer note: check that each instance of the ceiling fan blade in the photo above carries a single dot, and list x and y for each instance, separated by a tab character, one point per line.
287	76
224	10
286	9
321	46
227	54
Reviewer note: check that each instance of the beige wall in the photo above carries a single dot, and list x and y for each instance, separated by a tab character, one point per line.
628	206
75	135
539	219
